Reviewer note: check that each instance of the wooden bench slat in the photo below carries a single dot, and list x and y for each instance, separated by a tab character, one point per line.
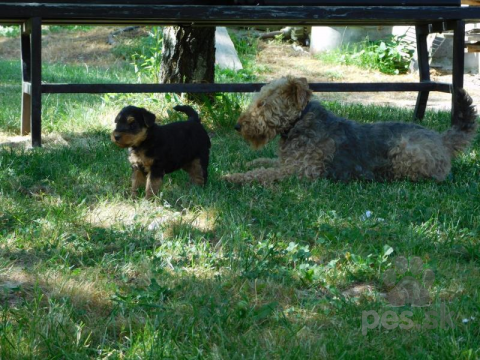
232	15
262	2
235	88
362	2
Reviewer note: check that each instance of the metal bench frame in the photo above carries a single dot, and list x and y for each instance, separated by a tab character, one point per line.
31	17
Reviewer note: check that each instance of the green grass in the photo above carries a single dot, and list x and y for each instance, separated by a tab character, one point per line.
389	56
222	271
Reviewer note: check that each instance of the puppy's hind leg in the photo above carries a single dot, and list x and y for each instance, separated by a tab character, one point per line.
196	172
204	160
153	185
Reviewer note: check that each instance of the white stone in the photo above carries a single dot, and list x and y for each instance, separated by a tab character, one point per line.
226	56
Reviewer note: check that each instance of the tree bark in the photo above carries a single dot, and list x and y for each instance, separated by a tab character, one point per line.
188	56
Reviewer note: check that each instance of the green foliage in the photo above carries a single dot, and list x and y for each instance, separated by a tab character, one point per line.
66	28
10	31
247	48
10	94
148	61
14	30
391	56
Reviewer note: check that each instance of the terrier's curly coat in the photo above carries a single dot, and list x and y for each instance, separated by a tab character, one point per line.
316	143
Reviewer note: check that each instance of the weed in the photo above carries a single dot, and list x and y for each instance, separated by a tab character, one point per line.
148	61
391	56
10	31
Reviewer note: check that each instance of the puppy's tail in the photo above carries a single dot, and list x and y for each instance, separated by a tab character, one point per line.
464	127
189	111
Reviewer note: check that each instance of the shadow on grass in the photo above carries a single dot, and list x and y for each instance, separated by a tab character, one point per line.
178	313
79	173
231	265
188	312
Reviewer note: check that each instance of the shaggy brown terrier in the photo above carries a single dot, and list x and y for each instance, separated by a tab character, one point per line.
316	143
156	150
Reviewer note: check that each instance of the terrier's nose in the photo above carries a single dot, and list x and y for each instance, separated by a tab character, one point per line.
117	137
238	127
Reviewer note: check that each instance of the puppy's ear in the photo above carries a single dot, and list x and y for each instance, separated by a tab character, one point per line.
148	118
299	91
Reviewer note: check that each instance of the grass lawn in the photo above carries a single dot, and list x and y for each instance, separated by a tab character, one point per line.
293	270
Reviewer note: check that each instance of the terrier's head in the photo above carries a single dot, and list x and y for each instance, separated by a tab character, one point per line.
132	124
275	108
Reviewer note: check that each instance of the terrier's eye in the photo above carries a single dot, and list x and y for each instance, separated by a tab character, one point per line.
261	104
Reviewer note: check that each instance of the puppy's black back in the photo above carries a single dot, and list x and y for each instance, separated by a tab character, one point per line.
176	144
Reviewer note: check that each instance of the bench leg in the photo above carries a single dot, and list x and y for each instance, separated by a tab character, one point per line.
422	32
458	63
26	78
31	46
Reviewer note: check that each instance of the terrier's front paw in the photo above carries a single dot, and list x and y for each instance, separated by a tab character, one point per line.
263	162
233	178
253	164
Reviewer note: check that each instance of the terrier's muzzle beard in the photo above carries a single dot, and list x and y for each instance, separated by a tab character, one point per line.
256	140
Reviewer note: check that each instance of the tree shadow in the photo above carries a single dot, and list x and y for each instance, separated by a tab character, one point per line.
196	266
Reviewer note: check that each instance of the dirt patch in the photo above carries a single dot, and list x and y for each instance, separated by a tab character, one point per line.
75	47
288	59
80	47
23	142
9	48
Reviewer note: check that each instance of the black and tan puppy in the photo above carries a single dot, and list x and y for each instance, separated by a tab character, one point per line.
156	150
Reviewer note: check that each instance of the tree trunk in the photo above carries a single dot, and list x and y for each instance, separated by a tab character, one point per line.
188	56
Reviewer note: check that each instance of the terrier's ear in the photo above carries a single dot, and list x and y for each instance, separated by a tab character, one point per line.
300	91
148	118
